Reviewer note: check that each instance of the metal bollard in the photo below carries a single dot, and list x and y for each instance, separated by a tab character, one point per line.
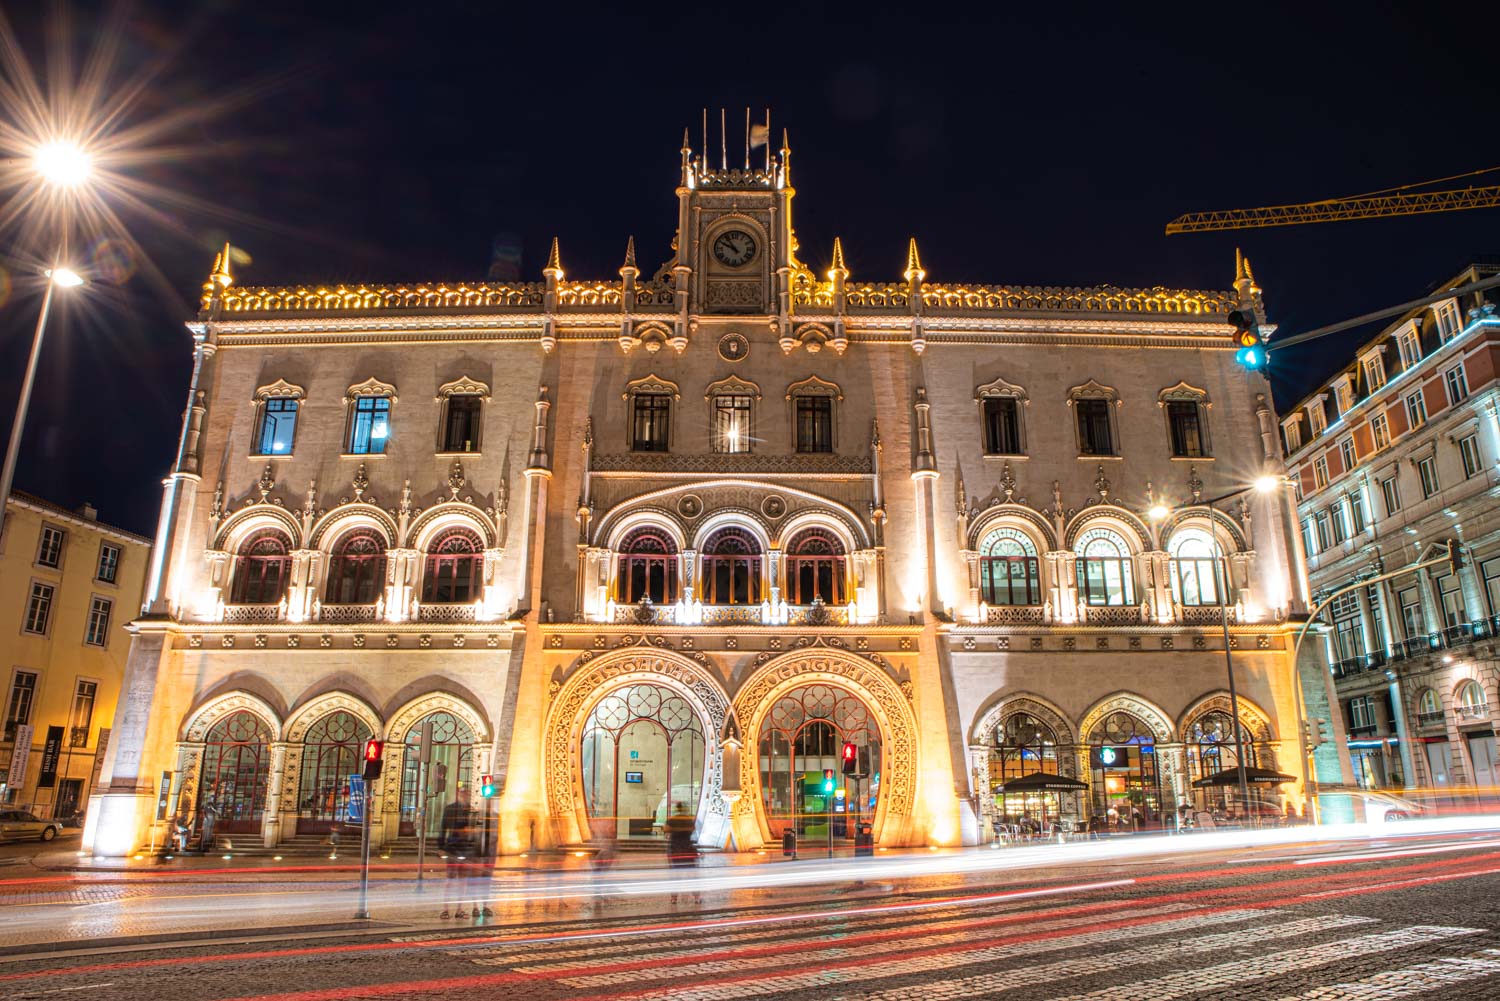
789	843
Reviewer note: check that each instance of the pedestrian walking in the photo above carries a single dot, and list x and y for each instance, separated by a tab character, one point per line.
680	850
459	839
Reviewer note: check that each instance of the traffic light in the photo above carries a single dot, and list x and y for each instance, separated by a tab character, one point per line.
486	786
828	781
850	757
374	759
1313	734
1252	348
1455	555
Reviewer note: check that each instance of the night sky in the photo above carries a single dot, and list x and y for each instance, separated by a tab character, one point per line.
1048	147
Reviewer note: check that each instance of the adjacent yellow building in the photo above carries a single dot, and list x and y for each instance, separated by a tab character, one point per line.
69	585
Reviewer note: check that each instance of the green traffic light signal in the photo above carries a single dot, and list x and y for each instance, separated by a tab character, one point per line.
827	781
486	786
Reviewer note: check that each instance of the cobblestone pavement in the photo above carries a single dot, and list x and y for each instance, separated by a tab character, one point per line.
1396	918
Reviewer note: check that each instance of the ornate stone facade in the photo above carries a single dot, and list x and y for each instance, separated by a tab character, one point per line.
508	504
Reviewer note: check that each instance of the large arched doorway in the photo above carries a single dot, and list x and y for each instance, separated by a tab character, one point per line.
451	767
1210	750
236	773
1126	783
331	752
643	757
1025	745
801	742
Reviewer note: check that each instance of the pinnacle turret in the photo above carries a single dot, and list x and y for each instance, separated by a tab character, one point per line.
913	270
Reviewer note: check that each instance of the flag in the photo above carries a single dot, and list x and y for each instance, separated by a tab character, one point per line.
759	135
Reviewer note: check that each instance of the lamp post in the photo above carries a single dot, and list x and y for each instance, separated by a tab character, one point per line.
60	166
1263	485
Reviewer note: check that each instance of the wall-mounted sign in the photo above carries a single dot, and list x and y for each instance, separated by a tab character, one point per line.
1110	756
635	777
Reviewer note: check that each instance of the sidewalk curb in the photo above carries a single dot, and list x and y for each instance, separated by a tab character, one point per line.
164	938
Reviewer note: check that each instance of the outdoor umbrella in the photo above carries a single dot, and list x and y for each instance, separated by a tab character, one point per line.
1041	782
1253	776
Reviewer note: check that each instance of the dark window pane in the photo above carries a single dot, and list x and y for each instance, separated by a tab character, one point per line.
1093	427
461	433
651	420
1184	428
1002	427
814	424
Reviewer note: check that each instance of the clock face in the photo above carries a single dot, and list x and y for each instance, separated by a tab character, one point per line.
734	248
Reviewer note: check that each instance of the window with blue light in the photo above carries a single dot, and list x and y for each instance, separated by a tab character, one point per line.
278	427
370	428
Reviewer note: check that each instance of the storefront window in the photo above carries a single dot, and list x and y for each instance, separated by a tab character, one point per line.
1024	745
1126	787
1211	749
643	755
803	735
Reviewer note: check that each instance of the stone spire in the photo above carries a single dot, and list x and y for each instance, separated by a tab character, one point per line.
913	270
838	267
554	268
1244	280
629	264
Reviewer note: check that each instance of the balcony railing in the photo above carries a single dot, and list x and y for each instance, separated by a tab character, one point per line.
1474	712
1113	615
1204	615
253	613
447	613
683	614
1417	645
1015	615
1434	718
347	613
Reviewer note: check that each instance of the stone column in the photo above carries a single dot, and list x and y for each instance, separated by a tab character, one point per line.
1366	632
1388	614
979	789
271	827
1171	765
1430	611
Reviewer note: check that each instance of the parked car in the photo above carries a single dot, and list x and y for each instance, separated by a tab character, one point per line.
18	825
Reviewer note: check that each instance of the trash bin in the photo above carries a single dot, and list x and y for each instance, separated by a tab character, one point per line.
864	840
789	843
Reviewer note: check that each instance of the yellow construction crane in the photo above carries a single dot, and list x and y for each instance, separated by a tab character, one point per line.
1403	200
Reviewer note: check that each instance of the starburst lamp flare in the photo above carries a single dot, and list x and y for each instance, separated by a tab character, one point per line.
62	164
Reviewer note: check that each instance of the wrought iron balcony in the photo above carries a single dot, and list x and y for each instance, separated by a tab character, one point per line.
347	613
1434	718
253	613
1474	712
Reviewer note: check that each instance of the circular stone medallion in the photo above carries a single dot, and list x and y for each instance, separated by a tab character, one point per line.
773	507
689	506
733	347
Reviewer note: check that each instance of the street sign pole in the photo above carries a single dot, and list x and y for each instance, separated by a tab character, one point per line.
363	914
424	751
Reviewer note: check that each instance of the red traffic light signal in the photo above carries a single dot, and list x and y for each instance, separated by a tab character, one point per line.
374	758
850	758
486	786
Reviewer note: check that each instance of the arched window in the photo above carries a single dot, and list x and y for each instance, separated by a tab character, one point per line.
801	737
262	569
1196	570
643	755
1009	573
1211	749
815	568
1471	699
356	570
331	753
731	568
1105	569
647	567
1126	787
455	568
236	773
450	768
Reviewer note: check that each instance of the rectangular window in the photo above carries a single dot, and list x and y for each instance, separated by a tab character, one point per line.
1094	436
1450	596
22	695
1381	430
109	563
39	608
371	425
461	424
1427	470
1308	542
1002	426
1362	712
82	717
1468	450
1320	472
1325	536
731	424
1374	373
50	546
1348	639
278	426
1293	437
1340	526
1490	571
1411	613
1185	429
651	420
1416	410
1346	454
1458	384
1317	416
1409	346
1343	397
1105	581
1377	617
97	631
814	424
1447	320
1357	511
1391	490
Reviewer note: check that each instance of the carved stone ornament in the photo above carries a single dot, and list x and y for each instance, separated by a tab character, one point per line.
651	384
456	479
361	483
813	386
1007	482
279	390
690	506
370	387
265	484
464	386
773	507
734	347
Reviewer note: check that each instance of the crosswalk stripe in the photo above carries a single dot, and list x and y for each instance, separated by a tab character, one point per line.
827	946
1389	985
1083	966
832	979
1232	974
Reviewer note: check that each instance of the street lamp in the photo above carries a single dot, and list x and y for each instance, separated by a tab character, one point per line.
64	166
1262	485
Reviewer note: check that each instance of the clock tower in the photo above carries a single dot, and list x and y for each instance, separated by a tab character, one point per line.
736	251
